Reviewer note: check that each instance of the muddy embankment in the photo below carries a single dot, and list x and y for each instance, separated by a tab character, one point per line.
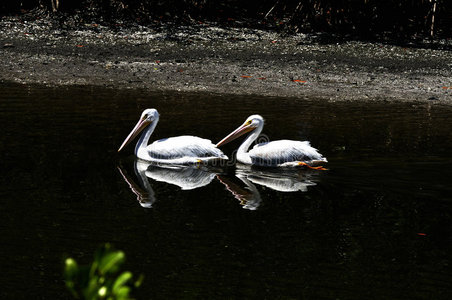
208	58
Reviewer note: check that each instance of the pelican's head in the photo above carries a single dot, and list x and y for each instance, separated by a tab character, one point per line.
148	116
252	123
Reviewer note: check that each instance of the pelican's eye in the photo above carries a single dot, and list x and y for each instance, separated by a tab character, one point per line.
248	123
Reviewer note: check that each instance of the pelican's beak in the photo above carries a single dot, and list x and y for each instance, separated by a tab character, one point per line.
245	128
142	123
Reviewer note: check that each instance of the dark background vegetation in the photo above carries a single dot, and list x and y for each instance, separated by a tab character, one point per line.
361	18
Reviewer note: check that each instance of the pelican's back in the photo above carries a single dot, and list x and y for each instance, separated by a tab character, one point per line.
183	146
279	152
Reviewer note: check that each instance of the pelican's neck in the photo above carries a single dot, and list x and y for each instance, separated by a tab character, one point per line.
242	152
144	138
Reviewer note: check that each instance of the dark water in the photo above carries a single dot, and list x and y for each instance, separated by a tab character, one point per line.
377	225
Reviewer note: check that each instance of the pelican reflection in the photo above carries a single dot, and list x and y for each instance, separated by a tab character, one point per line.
248	196
276	179
186	177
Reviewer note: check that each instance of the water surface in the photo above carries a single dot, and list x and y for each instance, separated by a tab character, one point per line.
376	225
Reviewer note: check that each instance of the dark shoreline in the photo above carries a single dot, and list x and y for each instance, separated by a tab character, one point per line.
222	60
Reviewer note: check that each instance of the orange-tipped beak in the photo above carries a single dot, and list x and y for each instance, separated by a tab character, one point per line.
235	134
142	123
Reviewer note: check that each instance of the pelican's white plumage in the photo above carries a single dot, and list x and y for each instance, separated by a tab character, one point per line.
180	150
282	153
185	149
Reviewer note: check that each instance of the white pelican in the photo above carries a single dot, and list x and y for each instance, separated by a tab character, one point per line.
282	153
180	150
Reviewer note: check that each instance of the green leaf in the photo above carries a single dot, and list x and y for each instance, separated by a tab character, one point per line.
121	280
139	281
111	262
123	292
98	256
102	292
99	279
71	287
92	289
70	268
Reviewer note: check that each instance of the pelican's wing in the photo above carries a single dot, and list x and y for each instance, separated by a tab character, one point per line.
282	151
183	146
